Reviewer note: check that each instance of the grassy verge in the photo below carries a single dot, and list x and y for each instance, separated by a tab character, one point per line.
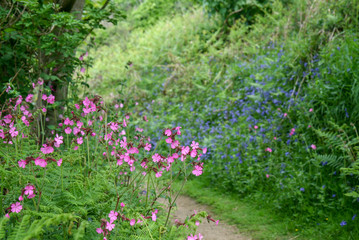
250	218
260	221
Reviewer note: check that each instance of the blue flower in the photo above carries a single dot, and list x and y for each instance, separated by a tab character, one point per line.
343	223
354	217
302	189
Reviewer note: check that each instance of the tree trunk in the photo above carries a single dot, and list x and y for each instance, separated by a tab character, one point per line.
60	88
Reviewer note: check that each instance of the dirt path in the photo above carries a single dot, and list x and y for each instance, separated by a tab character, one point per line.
185	207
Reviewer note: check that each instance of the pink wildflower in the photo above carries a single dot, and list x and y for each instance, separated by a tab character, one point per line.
79	140
59	162
113	215
268	150
194	153
148	147
40	162
47	149
185	150
174	144
132	222
156	158
16	207
154	217
313	146
51	99
22	163
168	132
158	174
110	226
29	98
68	130
198	170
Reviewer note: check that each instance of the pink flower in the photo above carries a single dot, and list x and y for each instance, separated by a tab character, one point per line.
7	215
255	127
29	189
113	215
311	110
198	170
40	81
76	147
22	163
156	158
13	131
110	226
174	144
59	162
194	153
132	222
47	149
44	97
99	230
83	70
44	110
313	146
24	120
154	217
197	223
79	140
21	198
51	99
200	236
168	132
191	237
158	174
204	150
267	175
16	207
194	145
40	162
285	115
268	150
185	150
121	105
169	140
178	130
29	98
148	147
68	130
58	140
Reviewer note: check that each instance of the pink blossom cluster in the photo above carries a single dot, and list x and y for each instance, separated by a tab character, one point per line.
107	226
9	116
39	161
28	191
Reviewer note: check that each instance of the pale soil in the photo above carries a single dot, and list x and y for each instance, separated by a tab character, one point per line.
185	207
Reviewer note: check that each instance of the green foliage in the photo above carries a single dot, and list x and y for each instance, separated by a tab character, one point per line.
244	93
44	48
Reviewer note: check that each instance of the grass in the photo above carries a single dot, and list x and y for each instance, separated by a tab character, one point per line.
250	218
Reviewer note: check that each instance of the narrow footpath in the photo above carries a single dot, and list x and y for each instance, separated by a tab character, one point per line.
185	207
